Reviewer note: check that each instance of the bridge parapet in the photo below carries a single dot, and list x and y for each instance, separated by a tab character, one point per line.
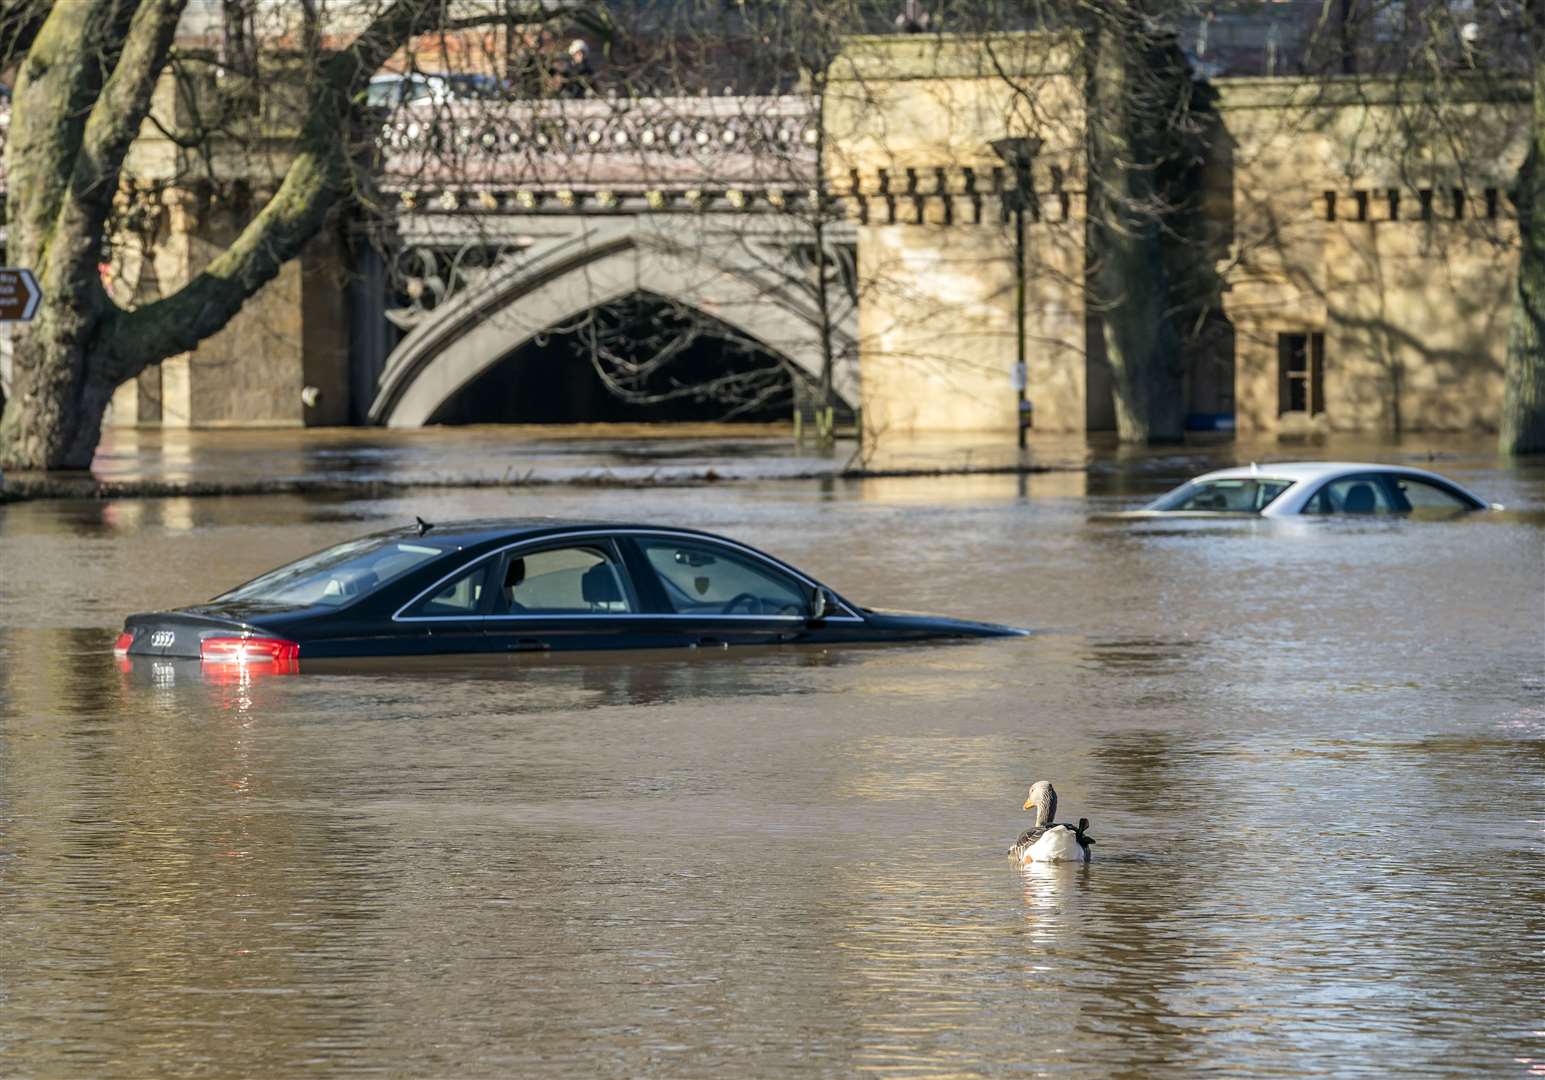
669	152
636	145
592	156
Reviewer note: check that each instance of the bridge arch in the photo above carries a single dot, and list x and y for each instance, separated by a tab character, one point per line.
725	278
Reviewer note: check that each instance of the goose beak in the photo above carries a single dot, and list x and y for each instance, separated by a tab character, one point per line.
1029	805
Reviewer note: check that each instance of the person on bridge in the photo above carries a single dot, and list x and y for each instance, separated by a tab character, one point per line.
576	73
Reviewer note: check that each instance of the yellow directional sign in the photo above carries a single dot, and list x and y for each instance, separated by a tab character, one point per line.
19	294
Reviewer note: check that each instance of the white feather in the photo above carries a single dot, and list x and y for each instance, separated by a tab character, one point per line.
1058	844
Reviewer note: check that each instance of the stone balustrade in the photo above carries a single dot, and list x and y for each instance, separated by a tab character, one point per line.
676	142
600	152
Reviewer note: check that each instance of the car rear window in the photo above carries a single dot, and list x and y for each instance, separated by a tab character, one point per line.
1245	495
336	576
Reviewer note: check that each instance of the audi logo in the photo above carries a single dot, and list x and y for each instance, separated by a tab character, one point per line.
162	638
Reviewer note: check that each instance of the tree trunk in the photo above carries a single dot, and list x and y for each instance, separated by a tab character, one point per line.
1140	339
1130	284
826	405
53	418
1522	427
83	94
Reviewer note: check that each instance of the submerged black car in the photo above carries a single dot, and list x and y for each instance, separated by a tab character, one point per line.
517	586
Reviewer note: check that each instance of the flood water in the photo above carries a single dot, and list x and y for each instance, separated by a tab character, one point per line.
1313	755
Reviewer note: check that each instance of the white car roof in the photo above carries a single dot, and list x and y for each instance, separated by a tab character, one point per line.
1299	471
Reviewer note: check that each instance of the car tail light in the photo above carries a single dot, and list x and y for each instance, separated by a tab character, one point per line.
247	650
121	646
221	674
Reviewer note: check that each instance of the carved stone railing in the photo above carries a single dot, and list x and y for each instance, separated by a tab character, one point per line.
625	146
542	152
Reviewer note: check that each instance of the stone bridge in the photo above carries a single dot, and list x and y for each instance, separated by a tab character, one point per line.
501	221
511	219
1365	287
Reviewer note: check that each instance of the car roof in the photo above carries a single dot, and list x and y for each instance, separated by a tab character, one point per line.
467	533
1299	471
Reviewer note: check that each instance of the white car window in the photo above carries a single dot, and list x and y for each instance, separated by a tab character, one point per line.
1245	495
1424	495
1361	494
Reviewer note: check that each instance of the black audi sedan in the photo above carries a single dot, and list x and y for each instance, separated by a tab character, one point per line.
518	586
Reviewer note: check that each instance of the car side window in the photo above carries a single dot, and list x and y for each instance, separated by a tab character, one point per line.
578	580
461	596
1244	496
1362	494
1422	494
705	579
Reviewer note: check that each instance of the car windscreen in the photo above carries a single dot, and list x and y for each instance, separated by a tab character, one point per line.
1244	495
336	576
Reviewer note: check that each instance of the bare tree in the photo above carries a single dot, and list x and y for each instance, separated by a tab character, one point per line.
88	76
701	123
1149	268
1435	87
89	339
1104	133
1522	430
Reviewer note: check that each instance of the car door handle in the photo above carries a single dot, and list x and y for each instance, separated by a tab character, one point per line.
711	642
527	644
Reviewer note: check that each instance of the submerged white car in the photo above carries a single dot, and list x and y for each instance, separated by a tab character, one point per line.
1317	487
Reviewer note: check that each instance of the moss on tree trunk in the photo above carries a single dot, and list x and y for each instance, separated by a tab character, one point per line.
53	418
1522	426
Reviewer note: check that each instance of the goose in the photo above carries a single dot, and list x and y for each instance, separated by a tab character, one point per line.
1049	840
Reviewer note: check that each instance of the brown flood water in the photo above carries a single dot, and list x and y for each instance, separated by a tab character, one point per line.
1313	755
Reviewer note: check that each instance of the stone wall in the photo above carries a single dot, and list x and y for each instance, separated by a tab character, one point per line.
1378	218
1361	216
910	121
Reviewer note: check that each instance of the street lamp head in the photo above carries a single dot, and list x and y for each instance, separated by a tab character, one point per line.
1017	152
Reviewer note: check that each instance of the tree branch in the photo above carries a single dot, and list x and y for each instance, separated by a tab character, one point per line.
115	119
20	23
67	60
314	181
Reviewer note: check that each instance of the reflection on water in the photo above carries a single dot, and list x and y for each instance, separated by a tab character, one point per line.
1314	761
1107	472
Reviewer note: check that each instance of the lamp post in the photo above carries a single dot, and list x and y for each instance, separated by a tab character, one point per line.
1018	152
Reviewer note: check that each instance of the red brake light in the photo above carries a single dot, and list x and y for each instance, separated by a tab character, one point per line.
121	646
247	650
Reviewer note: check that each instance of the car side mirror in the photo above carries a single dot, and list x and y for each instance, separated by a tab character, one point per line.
820	605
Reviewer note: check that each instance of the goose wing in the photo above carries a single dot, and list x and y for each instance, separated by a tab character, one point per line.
1026	839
